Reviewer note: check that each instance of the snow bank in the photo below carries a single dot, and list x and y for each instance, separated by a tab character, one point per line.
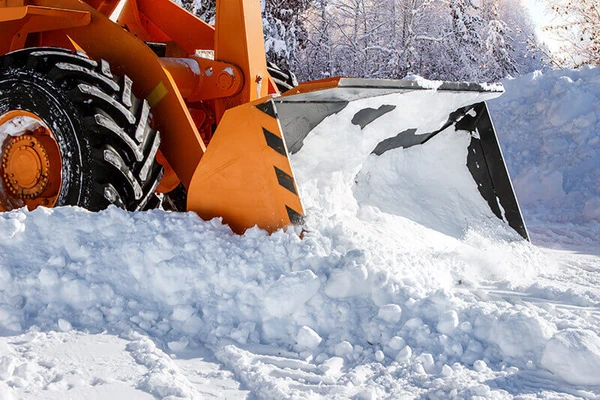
174	276
549	128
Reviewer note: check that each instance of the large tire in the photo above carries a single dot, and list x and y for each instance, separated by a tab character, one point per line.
106	144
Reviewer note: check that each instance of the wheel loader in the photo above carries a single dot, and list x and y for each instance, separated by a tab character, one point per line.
115	101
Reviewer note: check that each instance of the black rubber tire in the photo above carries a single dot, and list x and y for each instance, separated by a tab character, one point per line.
107	146
175	200
284	80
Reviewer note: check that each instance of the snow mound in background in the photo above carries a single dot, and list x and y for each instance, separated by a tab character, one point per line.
549	128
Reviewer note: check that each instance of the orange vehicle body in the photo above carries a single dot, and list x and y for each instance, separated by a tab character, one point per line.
237	176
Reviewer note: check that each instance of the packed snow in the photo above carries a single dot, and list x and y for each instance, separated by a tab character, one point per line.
403	285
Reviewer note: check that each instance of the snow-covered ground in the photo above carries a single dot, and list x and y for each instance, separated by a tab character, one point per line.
404	286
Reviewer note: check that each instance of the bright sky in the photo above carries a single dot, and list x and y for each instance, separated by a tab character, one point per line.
541	18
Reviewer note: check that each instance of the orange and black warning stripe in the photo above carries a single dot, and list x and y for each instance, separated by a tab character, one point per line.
285	180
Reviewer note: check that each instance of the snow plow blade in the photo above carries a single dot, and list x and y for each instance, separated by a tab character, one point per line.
392	114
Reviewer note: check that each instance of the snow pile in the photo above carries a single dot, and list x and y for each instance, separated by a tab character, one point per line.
404	284
184	283
574	355
549	128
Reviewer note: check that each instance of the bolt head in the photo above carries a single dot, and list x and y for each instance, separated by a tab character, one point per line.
225	80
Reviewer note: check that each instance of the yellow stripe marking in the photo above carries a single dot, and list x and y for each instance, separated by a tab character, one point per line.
157	94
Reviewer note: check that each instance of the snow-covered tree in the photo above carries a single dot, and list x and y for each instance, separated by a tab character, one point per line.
204	9
579	30
317	59
457	40
285	33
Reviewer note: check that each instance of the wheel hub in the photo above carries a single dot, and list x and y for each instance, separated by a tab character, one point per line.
30	162
26	166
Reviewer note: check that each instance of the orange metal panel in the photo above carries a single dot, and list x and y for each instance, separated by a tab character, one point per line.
185	29
105	7
8	30
30	19
239	41
13	3
130	20
62	18
13	14
164	21
314	86
186	74
169	180
245	175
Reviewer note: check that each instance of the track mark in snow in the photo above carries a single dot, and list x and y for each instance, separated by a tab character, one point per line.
163	378
569	290
490	293
277	377
212	381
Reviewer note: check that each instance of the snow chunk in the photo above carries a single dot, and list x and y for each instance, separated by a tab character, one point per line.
535	185
18	126
290	292
7	367
64	325
179	345
404	355
4	278
519	333
333	367
182	313
343	349
447	371
448	323
480	366
11	227
390	313
427	361
422	82
348	281
396	343
163	378
307	339
574	355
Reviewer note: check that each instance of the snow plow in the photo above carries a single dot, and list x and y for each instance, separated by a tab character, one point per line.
115	101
